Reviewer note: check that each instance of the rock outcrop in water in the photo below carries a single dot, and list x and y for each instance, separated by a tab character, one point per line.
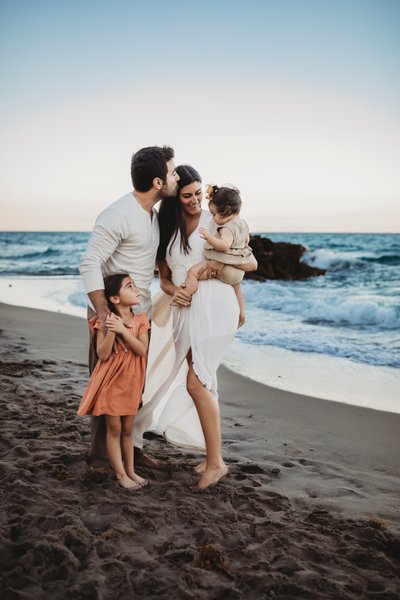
280	260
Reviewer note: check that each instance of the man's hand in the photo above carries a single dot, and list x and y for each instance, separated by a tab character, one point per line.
210	269
100	306
102	317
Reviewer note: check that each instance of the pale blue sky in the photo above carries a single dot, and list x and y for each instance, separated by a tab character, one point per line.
306	91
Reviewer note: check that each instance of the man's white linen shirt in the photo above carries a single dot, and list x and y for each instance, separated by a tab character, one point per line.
124	240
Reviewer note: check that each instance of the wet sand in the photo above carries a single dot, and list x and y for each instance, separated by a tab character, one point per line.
310	508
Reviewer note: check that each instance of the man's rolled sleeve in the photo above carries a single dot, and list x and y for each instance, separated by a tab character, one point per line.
102	244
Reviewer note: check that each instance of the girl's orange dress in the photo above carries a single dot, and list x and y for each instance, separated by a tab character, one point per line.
115	386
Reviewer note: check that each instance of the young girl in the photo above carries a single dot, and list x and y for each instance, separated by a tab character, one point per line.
116	384
228	246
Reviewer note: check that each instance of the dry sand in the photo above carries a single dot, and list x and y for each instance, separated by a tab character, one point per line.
309	509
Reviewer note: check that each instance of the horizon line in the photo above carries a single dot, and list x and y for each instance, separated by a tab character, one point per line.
368	232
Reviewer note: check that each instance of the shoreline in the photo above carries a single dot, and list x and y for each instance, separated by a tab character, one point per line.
309	507
326	377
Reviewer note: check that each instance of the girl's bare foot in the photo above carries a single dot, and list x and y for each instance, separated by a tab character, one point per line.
127	483
201	467
139	480
211	476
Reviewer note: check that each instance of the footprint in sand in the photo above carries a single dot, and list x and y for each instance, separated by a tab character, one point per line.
306	462
311	493
251	468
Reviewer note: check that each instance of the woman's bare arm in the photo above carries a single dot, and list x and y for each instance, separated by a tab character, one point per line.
179	295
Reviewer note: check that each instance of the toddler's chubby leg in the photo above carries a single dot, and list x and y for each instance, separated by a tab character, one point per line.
239	295
230	274
127	450
233	277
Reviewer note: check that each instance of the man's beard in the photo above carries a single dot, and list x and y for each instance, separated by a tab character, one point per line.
166	193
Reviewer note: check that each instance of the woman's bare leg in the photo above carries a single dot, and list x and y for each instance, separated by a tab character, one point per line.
208	411
201	467
114	452
127	450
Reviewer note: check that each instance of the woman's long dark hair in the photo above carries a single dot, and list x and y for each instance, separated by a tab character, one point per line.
170	215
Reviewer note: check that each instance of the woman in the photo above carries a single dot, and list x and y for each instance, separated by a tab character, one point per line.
185	406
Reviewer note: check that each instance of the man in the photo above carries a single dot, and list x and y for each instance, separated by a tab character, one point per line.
125	240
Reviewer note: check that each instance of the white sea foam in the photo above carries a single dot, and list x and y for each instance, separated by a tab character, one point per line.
17	252
316	304
56	294
320	376
331	259
53	294
352	312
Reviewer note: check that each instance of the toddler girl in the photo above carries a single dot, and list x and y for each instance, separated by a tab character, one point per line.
116	384
229	246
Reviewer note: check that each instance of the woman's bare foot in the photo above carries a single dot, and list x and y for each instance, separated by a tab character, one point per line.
127	483
139	480
211	476
201	467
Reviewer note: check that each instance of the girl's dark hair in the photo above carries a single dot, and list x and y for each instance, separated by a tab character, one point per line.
112	286
171	217
149	163
226	200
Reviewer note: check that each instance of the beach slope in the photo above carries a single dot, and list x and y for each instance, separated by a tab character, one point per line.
309	509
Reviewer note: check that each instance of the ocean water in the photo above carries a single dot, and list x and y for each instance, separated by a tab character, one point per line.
351	313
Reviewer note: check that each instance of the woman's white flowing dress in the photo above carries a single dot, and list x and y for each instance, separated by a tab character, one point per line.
207	327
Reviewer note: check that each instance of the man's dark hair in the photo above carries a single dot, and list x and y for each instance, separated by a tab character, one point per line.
171	216
149	163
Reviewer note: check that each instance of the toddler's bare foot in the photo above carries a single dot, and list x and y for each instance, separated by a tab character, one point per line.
211	476
139	480
127	483
201	467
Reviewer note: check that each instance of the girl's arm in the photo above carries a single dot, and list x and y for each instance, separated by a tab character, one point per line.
220	244
138	344
104	344
179	295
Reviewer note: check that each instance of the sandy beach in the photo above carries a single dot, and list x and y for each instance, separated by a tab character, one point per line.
310	508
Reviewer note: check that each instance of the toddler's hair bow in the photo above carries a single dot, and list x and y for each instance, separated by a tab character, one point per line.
211	190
